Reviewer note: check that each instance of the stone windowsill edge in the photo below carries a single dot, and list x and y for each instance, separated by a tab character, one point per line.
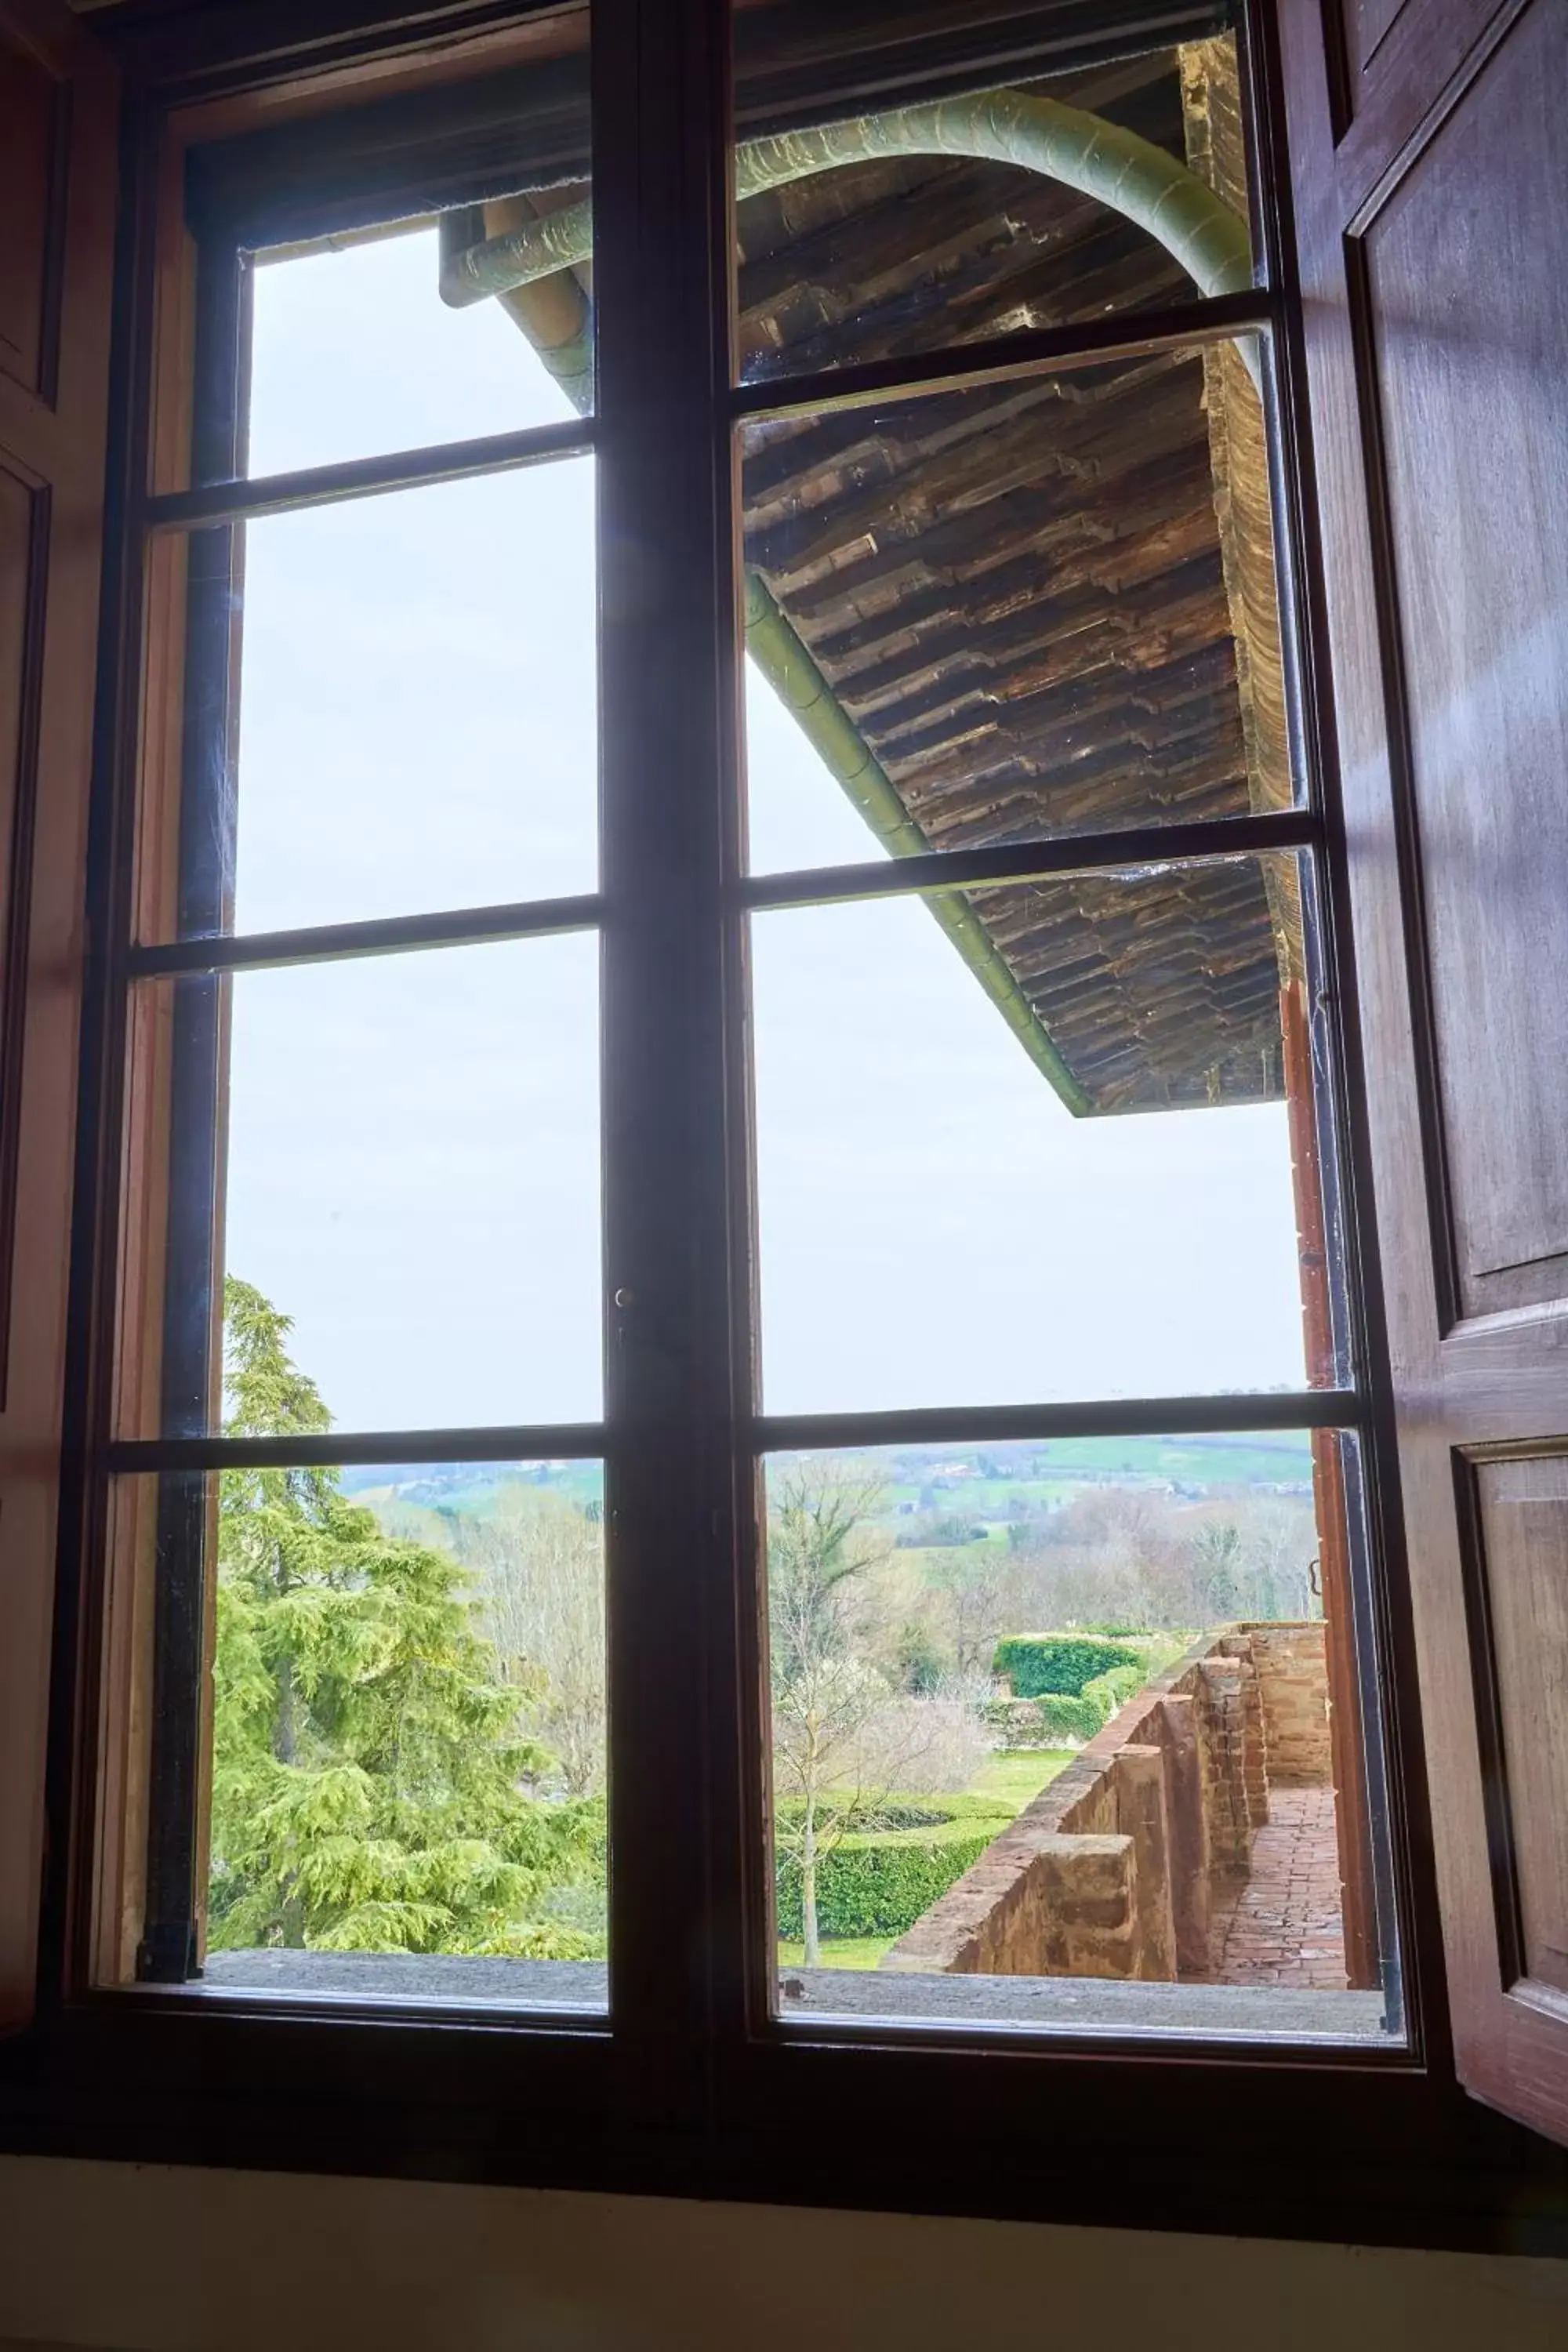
1059	2004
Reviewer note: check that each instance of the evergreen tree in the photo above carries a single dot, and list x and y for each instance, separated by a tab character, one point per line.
370	1783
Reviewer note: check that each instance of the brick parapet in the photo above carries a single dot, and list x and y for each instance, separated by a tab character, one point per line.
1291	1663
1110	1870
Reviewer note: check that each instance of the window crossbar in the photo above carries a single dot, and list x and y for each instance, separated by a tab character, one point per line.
363	477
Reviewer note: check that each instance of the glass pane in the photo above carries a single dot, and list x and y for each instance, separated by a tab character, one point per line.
1024	202
354	355
1037	1143
1001	615
412	1180
1056	1729
408	1726
417	708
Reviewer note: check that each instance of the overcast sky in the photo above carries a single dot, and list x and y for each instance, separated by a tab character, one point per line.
414	1143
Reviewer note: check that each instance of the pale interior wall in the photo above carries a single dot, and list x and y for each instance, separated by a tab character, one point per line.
149	2259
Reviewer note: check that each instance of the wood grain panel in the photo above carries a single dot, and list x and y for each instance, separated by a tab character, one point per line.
1366	24
1523	1516
23	551
52	440
32	109
1400	65
1430	233
18	635
1470	303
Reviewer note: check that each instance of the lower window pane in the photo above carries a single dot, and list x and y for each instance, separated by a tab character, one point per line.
389	1783
1068	1736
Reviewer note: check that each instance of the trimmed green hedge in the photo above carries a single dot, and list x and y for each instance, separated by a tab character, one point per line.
879	1886
1114	1689
1057	1664
1068	1718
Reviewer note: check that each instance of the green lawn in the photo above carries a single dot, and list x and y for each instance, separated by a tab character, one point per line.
1012	1775
856	1952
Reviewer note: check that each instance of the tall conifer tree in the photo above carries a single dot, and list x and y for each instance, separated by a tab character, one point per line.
370	1789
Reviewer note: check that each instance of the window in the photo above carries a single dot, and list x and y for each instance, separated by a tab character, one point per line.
1065	1699
362	1014
736	1432
1065	1145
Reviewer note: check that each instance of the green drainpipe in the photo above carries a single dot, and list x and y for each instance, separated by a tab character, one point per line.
1128	173
787	664
789	668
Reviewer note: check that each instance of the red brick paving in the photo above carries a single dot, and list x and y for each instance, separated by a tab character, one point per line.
1283	1926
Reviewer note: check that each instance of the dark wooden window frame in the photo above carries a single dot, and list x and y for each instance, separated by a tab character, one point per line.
696	2089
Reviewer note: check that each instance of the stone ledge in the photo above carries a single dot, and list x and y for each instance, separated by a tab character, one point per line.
1094	2005
582	1985
1044	2004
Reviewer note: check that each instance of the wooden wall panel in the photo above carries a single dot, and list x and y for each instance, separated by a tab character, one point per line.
1523	1670
24	553
20	595
54	368
1469	305
1396	63
1367	24
33	109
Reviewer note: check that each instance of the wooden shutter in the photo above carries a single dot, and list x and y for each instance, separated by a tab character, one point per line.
57	175
1431	187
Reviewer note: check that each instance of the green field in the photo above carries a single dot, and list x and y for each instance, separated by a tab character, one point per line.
1028	1476
476	1490
1043	1475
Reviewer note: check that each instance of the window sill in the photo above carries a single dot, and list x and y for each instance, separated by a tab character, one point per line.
1061	2005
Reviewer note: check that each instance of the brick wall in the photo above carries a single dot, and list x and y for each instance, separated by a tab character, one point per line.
1110	1871
1293	1683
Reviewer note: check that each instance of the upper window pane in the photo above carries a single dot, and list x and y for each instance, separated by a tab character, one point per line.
370	333
1004	614
1036	202
1058	1143
354	355
417	721
409	1173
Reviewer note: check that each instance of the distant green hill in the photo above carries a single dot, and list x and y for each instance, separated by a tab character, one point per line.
980	1481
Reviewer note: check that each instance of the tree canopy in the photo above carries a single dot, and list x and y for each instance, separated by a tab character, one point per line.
372	1788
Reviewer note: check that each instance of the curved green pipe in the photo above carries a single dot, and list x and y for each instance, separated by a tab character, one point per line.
1100	159
789	668
1127	174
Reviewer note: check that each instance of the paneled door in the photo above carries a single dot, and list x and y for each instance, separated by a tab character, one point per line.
1431	187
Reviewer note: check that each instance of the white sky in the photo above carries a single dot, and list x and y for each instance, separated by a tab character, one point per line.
413	1145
